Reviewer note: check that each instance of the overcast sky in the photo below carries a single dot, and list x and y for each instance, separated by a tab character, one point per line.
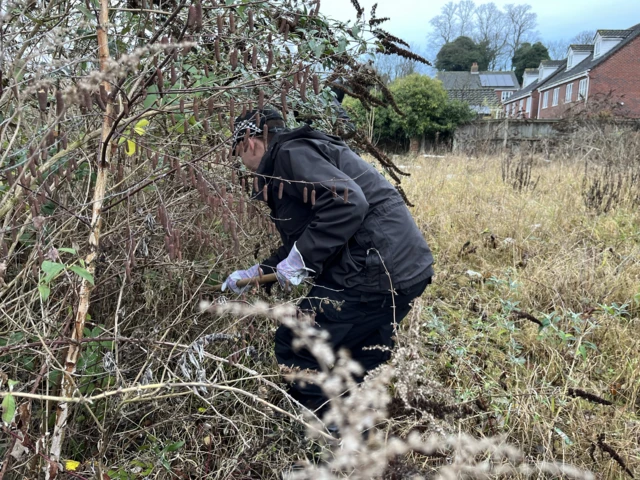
557	19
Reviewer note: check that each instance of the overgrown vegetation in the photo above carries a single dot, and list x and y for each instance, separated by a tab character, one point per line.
121	209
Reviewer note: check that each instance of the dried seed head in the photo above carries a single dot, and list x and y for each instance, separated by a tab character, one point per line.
154	160
305	195
198	8
86	97
265	195
245	58
196	110
206	125
42	99
333	191
216	47
316	84
210	106
254	57
313	197
261	99
255	184
220	23
280	190
159	80
191	18
187	49
186	124
104	96
206	70
346	195
174	75
269	60
233	58
59	104
181	105
251	20
232	22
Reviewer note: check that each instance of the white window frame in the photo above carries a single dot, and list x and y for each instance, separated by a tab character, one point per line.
568	93
545	99
528	106
506	94
556	97
582	89
570	60
596	49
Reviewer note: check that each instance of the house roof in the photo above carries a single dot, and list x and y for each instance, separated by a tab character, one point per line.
589	63
551	63
475	81
534	71
581	48
615	33
524	92
475	96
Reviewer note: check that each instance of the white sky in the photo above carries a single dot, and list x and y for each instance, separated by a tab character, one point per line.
557	19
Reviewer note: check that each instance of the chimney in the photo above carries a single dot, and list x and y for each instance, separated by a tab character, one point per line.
474	67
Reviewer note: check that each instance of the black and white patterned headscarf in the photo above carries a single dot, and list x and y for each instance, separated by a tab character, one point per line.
254	121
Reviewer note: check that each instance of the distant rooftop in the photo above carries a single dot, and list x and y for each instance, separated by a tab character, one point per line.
581	48
552	63
615	33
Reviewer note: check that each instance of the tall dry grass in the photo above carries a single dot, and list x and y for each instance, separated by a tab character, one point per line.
533	318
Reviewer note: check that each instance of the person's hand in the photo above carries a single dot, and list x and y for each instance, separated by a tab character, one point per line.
231	280
292	270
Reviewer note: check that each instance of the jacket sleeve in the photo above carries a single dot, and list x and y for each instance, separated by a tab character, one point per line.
335	220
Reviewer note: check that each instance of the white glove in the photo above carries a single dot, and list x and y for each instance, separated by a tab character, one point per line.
240	275
292	270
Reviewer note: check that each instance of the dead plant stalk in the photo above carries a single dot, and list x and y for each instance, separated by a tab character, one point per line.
68	385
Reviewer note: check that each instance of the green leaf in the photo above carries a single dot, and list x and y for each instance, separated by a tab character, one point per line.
86	12
8	409
44	292
83	272
140	127
67	250
174	446
51	269
131	147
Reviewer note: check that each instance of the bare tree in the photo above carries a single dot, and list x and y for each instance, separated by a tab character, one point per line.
522	22
445	26
464	12
491	29
557	48
585	37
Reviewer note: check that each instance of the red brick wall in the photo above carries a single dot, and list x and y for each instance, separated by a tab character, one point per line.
617	79
620	76
561	109
534	107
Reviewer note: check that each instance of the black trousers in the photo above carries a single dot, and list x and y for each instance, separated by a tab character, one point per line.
354	321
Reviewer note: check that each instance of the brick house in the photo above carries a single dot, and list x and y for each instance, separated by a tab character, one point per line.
483	91
524	102
608	69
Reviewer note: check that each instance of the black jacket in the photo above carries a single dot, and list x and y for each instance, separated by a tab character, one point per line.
361	243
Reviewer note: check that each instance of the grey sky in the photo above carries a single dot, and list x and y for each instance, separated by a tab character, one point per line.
557	19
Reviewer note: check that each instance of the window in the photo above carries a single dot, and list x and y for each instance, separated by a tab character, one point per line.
521	108
596	49
569	93
570	60
545	100
529	107
582	89
506	95
556	96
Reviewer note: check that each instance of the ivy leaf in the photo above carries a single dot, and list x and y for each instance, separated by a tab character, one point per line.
131	147
83	272
45	291
8	409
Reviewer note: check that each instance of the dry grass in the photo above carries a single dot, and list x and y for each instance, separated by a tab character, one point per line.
508	262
